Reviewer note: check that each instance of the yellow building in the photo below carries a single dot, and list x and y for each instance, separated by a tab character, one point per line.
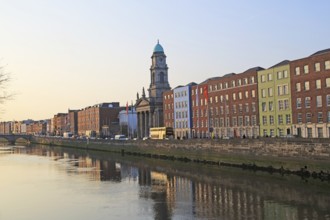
275	111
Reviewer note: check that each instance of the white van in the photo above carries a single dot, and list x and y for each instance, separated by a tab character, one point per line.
121	137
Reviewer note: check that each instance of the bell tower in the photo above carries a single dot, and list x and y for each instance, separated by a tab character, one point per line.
158	75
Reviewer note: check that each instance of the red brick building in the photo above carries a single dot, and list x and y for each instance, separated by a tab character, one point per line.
99	120
60	124
200	119
310	92
168	106
233	104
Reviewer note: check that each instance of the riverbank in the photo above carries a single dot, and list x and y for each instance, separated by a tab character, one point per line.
297	156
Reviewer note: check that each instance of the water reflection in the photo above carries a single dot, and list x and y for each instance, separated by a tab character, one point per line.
185	192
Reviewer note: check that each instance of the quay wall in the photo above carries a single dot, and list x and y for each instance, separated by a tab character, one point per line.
277	152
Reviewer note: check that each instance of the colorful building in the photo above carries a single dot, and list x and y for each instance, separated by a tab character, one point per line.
182	111
274	92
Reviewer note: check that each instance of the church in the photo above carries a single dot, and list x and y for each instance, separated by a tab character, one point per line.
150	109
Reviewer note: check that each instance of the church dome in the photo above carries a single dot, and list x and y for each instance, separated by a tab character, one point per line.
158	48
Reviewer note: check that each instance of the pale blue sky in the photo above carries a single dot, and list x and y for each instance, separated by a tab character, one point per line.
76	53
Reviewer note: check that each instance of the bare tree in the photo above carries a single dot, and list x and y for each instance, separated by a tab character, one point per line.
4	80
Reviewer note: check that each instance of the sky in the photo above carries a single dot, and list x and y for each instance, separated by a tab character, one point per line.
71	54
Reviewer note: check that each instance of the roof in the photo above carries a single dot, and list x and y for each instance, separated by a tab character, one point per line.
158	48
257	68
321	52
284	62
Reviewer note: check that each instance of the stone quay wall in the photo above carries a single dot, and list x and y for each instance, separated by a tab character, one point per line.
277	152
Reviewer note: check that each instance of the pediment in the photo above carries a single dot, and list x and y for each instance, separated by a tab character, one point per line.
142	102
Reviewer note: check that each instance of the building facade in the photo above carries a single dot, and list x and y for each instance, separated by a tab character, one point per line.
275	109
168	106
182	111
128	122
150	109
100	120
310	88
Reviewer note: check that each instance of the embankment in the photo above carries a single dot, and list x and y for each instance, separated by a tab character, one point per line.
272	153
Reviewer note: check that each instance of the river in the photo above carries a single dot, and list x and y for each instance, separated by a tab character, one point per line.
42	182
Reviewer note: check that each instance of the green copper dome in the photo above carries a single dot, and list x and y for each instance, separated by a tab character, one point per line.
158	48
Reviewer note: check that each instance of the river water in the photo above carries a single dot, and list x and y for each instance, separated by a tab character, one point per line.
41	182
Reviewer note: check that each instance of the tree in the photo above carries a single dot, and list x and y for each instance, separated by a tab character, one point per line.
4	81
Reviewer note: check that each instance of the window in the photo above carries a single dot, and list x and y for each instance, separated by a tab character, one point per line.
309	132
327	82
320	132
240	121
308	117
306	70
227	109
245	81
270	77
328	120
240	95
253	107
280	105
288	119
216	99
298	87
239	82
240	108
271	106
318	84
307	102
234	96
264	120
254	93
233	83
246	94
299	118
307	86
226	85
271	119
280	119
279	90
263	78
317	67
247	121
221	110
279	75
254	120
298	102
234	109
285	89
220	86
297	71
328	100
246	107
285	74
327	65
319	101
265	132
263	106
286	104
270	92
319	117
252	79
234	121
271	133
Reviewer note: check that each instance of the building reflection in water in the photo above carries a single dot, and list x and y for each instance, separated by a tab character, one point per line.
187	198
